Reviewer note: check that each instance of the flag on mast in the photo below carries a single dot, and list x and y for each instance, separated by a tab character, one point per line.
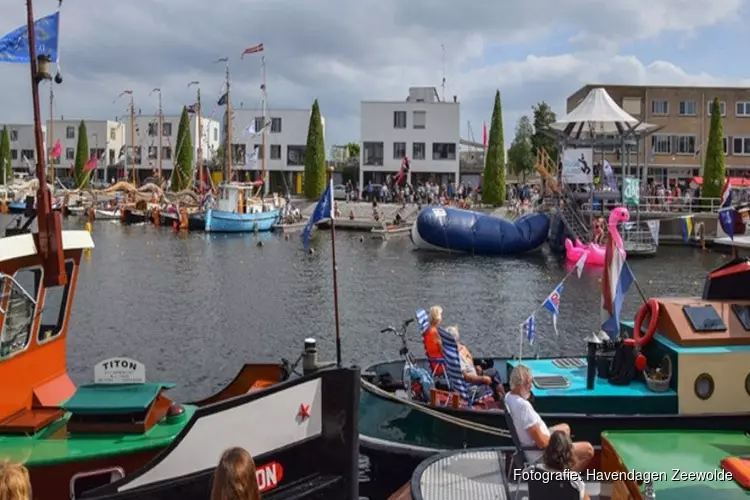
255	49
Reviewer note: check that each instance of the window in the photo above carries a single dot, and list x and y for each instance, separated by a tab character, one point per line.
687	108
722	107
417	151
258	124
13	135
419	119
444	151
166	129
111	157
216	134
19	317
743	108
609	140
14	154
275	125
99	153
153	152
55	306
153	129
28	154
399	119
372	153
660	107
661	144
295	155
725	143
70	132
685	144
704	319
70	154
112	134
166	152
238	154
275	151
399	150
260	152
137	155
741	146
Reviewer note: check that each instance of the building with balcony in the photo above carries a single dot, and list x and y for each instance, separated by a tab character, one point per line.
22	144
104	138
422	127
286	141
677	151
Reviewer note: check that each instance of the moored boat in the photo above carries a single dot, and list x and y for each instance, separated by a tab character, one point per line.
233	215
705	386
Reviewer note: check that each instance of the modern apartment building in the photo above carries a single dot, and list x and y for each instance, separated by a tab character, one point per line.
22	145
422	127
677	151
286	141
104	137
153	147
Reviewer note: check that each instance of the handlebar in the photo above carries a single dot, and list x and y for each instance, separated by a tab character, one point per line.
408	322
388	329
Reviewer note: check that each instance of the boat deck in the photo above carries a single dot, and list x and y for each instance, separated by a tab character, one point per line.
685	451
635	397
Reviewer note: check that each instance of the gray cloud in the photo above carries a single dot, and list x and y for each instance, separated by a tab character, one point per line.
342	52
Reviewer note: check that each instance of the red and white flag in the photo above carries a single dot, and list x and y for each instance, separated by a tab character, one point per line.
91	164
56	150
252	50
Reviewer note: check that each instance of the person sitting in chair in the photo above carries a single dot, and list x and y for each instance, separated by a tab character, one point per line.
531	429
558	457
431	340
473	372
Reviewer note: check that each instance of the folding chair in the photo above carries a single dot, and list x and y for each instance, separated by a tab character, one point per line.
469	393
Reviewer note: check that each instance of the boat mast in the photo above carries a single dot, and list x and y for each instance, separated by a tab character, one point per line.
264	130
48	238
229	131
132	139
161	134
51	133
200	143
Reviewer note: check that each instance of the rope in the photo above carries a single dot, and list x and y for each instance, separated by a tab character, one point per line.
460	422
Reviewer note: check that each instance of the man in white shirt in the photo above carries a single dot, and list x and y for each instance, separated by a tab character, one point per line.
531	429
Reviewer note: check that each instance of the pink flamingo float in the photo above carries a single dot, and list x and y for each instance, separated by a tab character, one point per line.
595	253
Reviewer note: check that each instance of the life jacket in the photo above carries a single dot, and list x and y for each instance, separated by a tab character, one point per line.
431	341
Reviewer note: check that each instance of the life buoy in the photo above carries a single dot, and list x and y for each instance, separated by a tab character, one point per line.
650	307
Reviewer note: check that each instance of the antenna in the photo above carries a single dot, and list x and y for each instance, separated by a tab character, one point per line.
443	85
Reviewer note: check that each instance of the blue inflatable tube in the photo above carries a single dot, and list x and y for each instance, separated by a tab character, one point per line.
454	230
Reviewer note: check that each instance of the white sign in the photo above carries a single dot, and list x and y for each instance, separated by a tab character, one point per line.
438	212
119	371
578	166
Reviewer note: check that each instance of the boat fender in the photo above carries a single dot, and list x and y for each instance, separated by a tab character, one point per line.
650	307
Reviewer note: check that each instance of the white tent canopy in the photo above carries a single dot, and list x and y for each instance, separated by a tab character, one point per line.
598	114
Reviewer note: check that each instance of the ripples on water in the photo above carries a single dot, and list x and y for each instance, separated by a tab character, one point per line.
194	308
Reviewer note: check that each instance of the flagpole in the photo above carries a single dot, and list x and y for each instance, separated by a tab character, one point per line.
335	274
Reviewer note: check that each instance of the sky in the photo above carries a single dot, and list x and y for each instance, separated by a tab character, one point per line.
345	51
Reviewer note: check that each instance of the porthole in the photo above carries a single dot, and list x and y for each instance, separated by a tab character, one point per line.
747	384
704	386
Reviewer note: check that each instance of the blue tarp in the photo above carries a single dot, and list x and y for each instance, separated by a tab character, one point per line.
452	229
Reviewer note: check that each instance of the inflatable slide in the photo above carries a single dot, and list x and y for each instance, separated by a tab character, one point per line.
455	230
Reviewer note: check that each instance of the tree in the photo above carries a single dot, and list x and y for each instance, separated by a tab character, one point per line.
493	181
315	156
353	149
5	157
82	157
181	172
521	158
714	172
543	118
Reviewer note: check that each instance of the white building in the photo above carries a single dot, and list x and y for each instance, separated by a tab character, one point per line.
423	128
150	148
286	142
22	144
104	137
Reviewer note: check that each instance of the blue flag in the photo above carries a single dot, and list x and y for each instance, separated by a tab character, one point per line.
529	328
726	211
14	47
323	210
552	304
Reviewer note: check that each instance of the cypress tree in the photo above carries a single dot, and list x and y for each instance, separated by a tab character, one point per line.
184	154
493	180
714	171
5	157
315	156
82	156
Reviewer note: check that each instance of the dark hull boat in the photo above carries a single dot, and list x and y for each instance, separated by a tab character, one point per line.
134	216
196	220
701	346
302	434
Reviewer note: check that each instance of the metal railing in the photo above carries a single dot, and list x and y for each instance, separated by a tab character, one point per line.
656	205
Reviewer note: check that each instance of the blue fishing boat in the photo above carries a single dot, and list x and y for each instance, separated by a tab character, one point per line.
232	214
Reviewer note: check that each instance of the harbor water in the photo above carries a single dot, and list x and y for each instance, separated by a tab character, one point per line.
194	307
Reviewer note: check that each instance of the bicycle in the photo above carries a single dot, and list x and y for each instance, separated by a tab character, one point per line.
404	350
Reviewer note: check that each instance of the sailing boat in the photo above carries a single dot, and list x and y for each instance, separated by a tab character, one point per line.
123	437
238	209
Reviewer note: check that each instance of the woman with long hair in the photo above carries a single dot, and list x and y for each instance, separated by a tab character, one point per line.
14	482
559	457
234	477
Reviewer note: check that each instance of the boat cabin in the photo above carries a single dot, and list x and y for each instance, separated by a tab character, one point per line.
701	347
239	198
